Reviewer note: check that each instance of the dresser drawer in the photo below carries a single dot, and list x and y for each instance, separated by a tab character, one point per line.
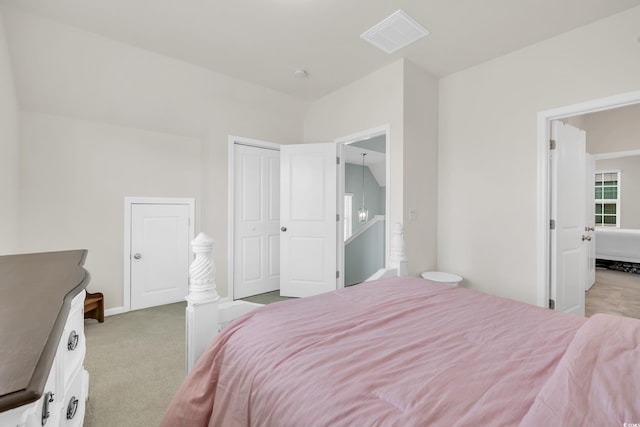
73	406
72	348
43	412
47	408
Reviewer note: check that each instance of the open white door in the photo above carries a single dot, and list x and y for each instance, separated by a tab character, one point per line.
308	207
590	222
568	202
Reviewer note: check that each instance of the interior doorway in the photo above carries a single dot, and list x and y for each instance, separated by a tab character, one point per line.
546	247
254	217
256	221
364	208
364	204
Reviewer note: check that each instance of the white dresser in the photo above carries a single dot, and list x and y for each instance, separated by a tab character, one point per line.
62	400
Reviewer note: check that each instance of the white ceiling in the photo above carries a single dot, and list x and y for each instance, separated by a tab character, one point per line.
263	41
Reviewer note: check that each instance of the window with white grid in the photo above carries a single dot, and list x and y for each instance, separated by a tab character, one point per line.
607	198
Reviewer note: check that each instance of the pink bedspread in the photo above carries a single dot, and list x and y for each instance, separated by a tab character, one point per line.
397	352
597	382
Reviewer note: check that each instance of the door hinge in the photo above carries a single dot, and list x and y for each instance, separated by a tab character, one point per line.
337	274
552	224
552	304
338	217
552	144
337	160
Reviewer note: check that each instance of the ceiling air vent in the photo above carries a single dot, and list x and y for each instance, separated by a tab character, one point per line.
395	32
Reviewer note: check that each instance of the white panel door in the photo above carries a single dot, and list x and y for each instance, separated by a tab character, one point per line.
159	254
257	221
590	222
308	201
568	250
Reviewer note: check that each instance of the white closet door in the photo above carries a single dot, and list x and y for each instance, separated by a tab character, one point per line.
257	220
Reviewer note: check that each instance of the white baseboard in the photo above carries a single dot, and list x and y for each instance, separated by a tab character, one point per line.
113	311
119	310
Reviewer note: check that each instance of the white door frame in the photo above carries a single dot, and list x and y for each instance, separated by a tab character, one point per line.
544	191
590	221
616	154
355	137
128	202
233	140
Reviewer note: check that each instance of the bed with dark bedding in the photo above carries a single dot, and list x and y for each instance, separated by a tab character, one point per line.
409	352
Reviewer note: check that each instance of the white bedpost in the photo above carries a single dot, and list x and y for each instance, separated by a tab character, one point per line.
397	265
397	255
202	301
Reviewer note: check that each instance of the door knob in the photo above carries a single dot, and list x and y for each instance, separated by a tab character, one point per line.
283	228
137	256
589	229
587	238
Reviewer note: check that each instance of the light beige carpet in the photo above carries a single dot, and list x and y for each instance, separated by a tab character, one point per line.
136	364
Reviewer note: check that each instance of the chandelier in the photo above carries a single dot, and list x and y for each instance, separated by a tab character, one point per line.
363	212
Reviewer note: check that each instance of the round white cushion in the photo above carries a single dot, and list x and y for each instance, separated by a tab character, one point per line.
442	277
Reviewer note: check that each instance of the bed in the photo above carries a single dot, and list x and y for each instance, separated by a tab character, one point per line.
409	352
616	244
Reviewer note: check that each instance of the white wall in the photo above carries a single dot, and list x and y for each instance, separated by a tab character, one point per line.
71	72
420	168
102	120
487	180
9	152
75	175
404	97
613	130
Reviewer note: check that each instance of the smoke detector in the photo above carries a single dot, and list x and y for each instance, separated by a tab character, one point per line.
395	32
300	73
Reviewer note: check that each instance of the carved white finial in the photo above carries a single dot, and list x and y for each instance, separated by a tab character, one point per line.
397	255
202	271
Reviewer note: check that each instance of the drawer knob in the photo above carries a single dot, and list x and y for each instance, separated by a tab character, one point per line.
72	408
72	343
